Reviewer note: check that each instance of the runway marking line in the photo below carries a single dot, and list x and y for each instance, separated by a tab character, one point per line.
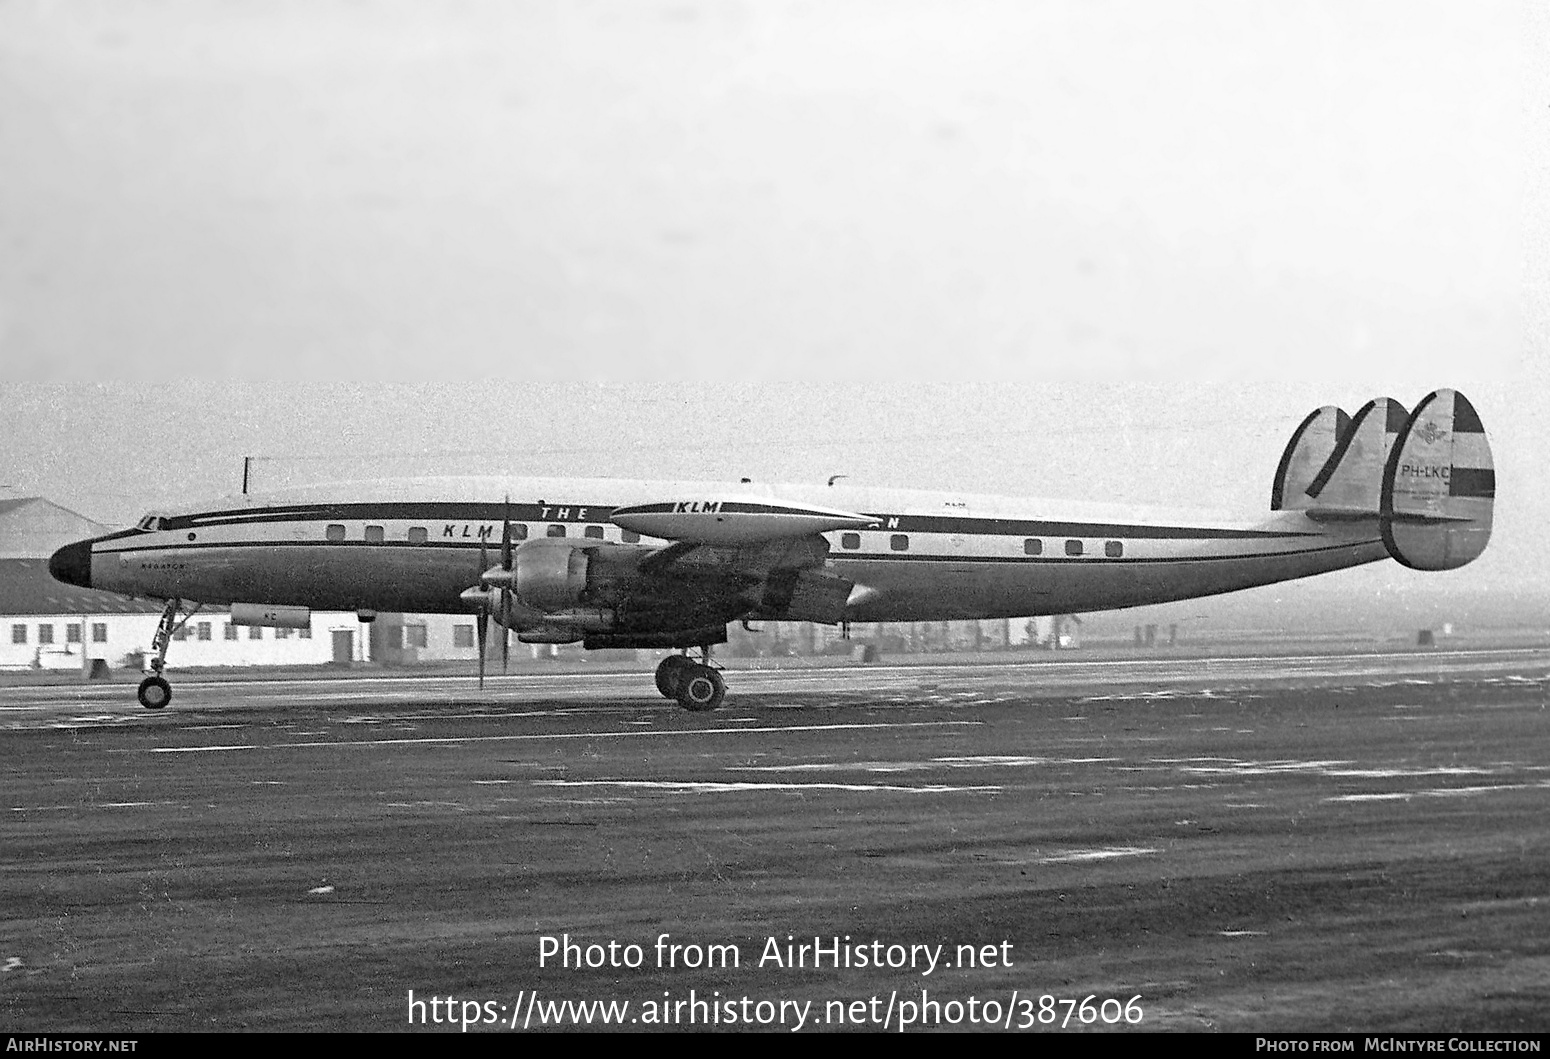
719	787
444	740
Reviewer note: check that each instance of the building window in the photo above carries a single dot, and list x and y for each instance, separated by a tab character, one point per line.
630	537
335	532
99	632
374	534
230	631
283	634
462	636
1114	549
45	634
304	634
899	542
255	632
414	636
417	534
1073	547
850	540
556	531
204	630
18	634
1033	546
595	532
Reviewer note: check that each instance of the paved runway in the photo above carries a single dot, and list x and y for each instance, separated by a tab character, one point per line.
1333	841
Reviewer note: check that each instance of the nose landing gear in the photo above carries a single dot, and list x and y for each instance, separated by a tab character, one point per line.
154	691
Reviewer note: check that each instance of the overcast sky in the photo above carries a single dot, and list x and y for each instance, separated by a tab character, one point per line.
1104	250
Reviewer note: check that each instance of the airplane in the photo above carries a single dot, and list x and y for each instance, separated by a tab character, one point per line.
642	564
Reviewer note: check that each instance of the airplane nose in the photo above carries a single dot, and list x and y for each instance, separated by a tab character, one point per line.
72	564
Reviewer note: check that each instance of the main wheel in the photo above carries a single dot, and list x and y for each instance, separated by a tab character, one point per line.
669	673
155	693
700	688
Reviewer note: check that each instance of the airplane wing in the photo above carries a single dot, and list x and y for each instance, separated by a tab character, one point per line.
767	554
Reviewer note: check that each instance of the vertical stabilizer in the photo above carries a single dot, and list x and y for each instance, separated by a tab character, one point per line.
1350	484
1306	454
1439	486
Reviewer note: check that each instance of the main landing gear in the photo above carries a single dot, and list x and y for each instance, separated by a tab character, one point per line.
155	692
695	685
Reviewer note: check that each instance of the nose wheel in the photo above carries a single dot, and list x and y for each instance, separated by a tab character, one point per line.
155	692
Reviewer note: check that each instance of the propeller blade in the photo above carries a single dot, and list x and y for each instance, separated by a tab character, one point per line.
505	647
506	537
484	639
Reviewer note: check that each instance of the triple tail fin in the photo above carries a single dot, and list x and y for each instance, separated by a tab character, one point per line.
1350	484
1306	454
1439	486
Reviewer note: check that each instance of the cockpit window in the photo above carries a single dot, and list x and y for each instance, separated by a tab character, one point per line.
150	522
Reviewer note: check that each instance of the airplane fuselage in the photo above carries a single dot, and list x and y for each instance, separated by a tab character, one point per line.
415	546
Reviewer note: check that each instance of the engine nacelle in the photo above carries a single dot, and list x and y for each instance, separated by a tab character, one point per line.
550	574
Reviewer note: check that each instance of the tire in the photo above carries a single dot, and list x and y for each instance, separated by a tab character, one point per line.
669	673
154	693
700	689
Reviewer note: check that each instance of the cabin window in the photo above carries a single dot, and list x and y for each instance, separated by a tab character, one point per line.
899	542
519	533
1114	549
335	532
99	632
180	634
45	634
72	633
230	631
18	634
255	632
415	636
1033	546
416	534
304	634
462	636
203	630
556	531
374	535
630	537
283	634
851	541
1073	547
595	532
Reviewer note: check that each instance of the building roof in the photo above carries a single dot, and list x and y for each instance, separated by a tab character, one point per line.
16	502
31	527
26	587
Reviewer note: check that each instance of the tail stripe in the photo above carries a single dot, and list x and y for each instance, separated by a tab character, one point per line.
1439	486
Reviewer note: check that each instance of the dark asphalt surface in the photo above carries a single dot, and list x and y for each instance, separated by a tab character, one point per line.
1255	844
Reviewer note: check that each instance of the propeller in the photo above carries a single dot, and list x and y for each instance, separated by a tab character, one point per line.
484	615
506	593
479	596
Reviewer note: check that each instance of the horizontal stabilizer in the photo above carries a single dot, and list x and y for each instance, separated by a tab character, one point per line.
1310	448
1439	486
1350	484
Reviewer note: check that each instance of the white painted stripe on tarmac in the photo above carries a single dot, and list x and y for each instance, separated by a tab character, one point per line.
717	787
436	740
